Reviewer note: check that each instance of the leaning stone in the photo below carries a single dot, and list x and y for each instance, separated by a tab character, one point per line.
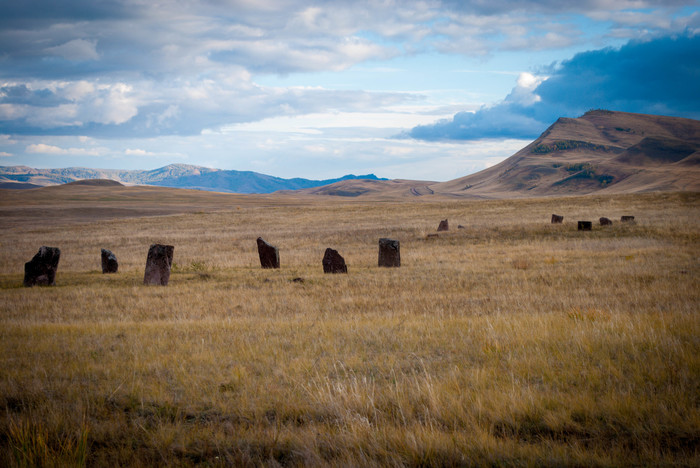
556	219
41	269
627	219
333	262
269	255
389	253
109	262
443	226
605	222
158	264
585	225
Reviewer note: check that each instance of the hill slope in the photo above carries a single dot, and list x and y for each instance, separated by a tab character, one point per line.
602	151
173	175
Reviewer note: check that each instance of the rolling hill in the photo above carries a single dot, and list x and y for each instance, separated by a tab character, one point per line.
601	151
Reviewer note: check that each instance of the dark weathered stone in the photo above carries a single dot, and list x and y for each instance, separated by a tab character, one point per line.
41	269
269	255
556	219
109	262
627	219
605	222
443	226
585	225
460	227
333	262
158	263
389	253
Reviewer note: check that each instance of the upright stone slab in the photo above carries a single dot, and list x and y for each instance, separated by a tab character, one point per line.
605	222
158	263
556	219
109	262
389	253
333	262
443	226
585	225
627	219
41	269
269	255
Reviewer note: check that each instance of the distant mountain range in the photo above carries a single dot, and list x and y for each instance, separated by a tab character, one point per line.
599	152
173	175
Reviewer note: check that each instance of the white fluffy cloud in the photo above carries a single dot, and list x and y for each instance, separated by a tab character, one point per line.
41	148
56	104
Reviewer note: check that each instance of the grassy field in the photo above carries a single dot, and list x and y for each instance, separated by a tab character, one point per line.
509	342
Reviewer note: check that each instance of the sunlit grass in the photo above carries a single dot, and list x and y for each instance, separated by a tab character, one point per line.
512	341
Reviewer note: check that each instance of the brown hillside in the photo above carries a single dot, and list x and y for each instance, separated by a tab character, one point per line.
97	183
602	151
374	189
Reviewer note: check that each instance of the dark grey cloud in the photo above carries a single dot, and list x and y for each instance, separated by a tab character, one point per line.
28	14
22	95
492	7
660	76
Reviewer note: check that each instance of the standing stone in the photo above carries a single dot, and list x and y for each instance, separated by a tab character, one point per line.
627	219
269	255
109	262
333	262
556	219
41	269
158	263
389	253
443	226
585	225
605	222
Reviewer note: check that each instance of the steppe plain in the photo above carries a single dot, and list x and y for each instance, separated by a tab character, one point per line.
509	342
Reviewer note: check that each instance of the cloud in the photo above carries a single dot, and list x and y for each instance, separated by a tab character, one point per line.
659	76
41	148
166	155
131	68
76	50
183	107
5	154
40	38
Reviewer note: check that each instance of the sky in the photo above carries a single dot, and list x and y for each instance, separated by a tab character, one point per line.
410	89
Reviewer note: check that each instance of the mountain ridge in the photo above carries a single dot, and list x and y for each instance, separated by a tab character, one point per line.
601	151
173	175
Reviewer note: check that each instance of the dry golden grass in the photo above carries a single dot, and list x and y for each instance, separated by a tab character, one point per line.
510	342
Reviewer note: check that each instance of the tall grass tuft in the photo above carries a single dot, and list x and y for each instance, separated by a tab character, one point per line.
33	446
